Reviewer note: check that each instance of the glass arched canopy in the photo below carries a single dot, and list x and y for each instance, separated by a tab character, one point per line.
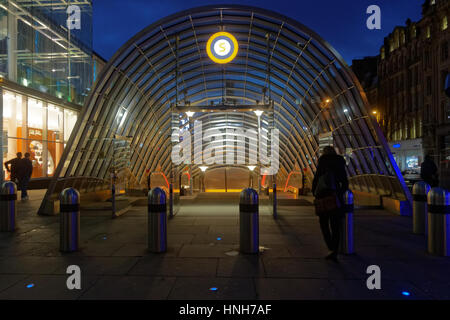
301	83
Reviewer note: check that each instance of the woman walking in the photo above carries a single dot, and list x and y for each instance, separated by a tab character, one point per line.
329	185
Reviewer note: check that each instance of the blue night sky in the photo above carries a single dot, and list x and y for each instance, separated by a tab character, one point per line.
340	22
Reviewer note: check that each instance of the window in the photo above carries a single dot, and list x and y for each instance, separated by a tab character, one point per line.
428	86
54	136
70	118
444	24
428	32
427	59
443	78
413	32
13	106
444	51
383	53
35	143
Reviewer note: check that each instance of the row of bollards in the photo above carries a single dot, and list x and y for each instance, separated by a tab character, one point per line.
157	219
431	217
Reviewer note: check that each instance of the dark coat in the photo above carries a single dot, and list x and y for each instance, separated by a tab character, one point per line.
336	164
25	168
428	172
13	163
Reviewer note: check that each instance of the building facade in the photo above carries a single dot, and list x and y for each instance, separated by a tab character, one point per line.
407	95
47	68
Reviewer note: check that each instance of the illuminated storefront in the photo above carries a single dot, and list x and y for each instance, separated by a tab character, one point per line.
47	69
37	126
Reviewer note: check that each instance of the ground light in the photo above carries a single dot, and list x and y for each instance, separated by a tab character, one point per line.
219	238
31	285
406	293
213	289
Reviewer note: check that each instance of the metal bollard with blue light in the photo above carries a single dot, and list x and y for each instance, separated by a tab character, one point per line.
439	222
8	209
420	207
249	221
69	232
157	221
346	242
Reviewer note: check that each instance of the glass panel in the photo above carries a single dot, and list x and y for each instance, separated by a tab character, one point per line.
55	125
35	144
12	127
44	48
70	118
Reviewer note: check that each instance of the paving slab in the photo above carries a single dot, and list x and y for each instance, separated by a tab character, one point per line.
294	289
98	265
200	289
129	288
211	250
242	266
45	287
304	268
172	267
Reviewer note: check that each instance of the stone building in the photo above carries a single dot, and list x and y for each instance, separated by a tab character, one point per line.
407	93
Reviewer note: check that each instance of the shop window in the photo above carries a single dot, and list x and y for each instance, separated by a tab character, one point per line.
12	126
35	139
55	125
70	118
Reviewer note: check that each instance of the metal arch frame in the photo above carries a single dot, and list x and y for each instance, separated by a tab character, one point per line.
302	67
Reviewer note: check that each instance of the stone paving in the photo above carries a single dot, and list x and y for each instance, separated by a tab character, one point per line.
203	242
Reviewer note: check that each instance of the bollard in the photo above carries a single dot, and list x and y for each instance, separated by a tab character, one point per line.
420	207
69	230
249	221
346	243
8	209
439	222
157	220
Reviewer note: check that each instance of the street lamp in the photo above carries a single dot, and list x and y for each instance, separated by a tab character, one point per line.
203	168
258	113
251	168
190	114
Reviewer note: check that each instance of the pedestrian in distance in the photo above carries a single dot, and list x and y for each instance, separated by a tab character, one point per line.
24	172
328	187
11	167
428	171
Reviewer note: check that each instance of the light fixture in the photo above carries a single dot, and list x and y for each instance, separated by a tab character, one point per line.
345	110
203	168
190	114
258	113
374	112
251	168
328	100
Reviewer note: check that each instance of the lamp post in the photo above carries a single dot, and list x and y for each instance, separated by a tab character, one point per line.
251	168
203	169
190	114
259	114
